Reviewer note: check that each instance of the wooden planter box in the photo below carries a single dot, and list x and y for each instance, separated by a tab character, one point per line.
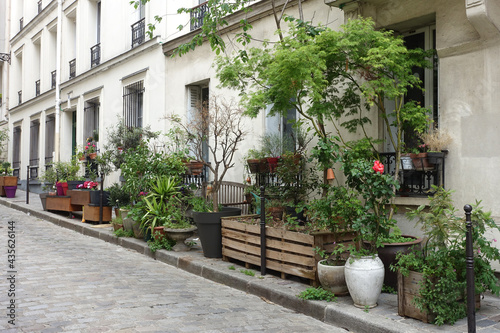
79	197
61	203
287	252
91	213
408	289
7	181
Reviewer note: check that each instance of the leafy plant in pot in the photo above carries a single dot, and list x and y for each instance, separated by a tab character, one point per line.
372	221
334	211
220	126
441	264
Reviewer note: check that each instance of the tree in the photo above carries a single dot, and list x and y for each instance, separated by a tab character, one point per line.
215	19
333	79
218	125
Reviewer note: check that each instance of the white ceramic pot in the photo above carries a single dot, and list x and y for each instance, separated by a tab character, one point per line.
332	278
364	277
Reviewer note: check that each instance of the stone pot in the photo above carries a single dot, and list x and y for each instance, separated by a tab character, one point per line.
180	236
332	278
364	276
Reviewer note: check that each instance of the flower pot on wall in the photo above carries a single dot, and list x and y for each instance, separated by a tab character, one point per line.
210	231
435	157
364	277
253	165
273	163
421	162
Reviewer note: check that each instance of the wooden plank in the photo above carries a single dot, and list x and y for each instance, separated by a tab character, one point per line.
271	264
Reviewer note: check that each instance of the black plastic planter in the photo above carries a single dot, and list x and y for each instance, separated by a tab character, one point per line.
209	230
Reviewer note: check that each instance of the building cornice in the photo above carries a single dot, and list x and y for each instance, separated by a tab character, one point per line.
37	19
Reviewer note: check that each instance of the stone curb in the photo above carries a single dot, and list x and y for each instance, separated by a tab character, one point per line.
276	291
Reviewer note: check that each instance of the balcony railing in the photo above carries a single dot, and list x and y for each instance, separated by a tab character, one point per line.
72	68
197	15
138	33
20	96
37	87
15	167
417	174
39	6
53	77
95	55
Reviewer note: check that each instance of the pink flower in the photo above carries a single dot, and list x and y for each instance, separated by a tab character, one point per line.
93	145
378	167
494	240
86	147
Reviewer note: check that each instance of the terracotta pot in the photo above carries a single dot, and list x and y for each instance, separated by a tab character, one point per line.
421	162
273	163
253	165
92	155
158	233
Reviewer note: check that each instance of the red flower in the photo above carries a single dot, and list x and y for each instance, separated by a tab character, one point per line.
378	167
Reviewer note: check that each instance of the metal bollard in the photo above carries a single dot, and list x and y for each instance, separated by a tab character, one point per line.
27	185
262	231
469	265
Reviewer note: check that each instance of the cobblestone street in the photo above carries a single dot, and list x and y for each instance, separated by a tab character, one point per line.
68	282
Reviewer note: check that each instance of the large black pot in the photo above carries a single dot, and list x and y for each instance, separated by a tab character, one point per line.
72	184
388	256
95	195
209	230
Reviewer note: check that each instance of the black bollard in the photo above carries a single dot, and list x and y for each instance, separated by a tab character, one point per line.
100	198
27	185
262	232
469	265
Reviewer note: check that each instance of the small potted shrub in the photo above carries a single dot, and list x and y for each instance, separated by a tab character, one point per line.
441	266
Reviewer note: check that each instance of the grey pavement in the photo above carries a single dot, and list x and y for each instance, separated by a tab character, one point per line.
77	277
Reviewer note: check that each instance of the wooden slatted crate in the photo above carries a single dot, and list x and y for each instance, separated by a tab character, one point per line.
79	197
61	203
408	289
91	213
287	252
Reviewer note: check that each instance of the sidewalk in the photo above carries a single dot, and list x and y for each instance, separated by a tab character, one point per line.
342	313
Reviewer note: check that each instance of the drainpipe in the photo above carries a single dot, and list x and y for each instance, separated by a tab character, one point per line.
6	68
57	138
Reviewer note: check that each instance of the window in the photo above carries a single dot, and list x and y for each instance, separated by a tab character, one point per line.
16	150
138	28
91	119
198	97
34	137
133	96
50	129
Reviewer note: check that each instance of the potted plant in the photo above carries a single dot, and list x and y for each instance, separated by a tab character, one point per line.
436	140
117	223
118	197
364	270
220	126
7	180
334	212
440	268
176	226
48	179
